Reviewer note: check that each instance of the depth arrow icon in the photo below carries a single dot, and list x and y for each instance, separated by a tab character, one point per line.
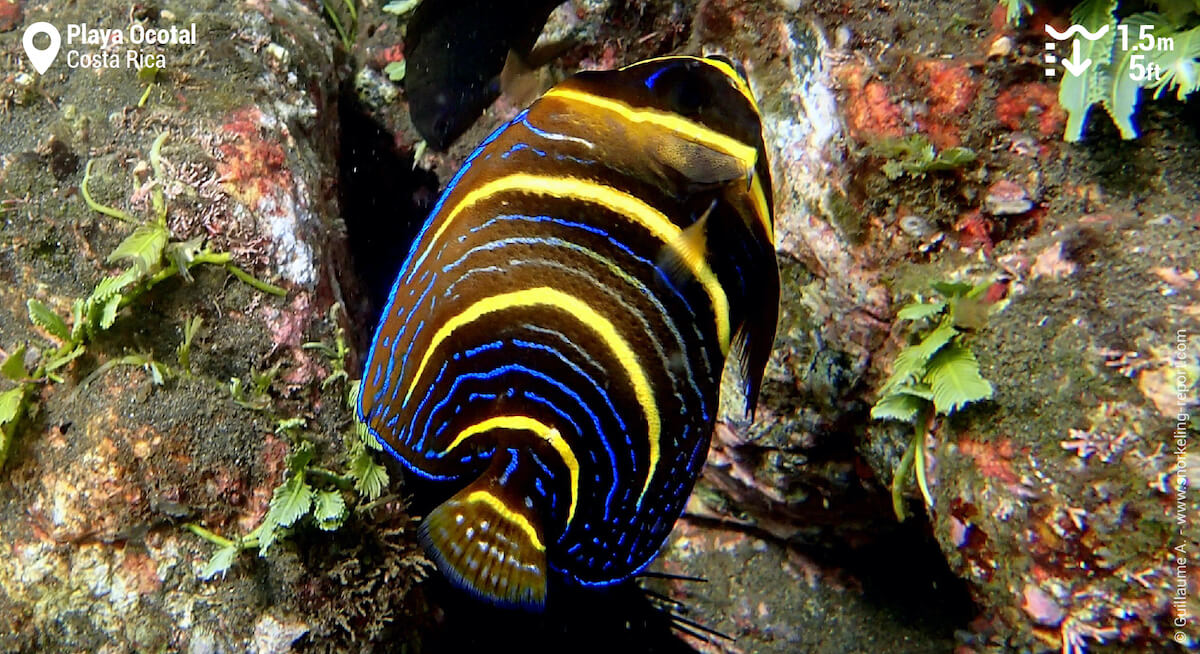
1073	65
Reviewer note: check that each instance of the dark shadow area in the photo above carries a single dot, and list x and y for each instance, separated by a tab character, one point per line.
1161	157
1191	114
615	619
904	569
455	53
384	201
899	565
901	570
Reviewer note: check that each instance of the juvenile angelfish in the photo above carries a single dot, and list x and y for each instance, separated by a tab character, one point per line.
555	339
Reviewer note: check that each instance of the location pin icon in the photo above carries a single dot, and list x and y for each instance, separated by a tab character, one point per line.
41	57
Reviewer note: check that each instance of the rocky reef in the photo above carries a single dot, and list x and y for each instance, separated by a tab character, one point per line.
276	178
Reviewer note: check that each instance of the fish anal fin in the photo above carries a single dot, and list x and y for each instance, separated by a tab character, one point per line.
488	546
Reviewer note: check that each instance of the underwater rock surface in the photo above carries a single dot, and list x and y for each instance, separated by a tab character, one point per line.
1054	518
106	467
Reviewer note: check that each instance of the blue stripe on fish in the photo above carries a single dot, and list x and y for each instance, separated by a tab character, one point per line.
556	336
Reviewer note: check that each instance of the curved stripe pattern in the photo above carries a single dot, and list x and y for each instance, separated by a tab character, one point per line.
621	203
674	123
555	339
643	264
542	431
567	270
608	333
499	506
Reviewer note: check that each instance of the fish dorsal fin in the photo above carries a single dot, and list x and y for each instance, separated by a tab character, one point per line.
488	544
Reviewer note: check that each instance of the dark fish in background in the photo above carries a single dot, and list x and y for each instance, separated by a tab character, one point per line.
455	52
555	340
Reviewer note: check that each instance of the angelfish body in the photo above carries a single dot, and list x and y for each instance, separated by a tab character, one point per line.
555	340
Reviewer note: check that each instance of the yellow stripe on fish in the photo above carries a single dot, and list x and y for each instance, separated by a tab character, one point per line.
543	431
573	306
620	203
743	152
554	342
727	70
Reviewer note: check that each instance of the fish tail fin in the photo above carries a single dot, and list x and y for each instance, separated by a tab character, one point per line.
488	545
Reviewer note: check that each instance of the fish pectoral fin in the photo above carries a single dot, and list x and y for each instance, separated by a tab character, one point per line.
486	544
683	254
698	163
